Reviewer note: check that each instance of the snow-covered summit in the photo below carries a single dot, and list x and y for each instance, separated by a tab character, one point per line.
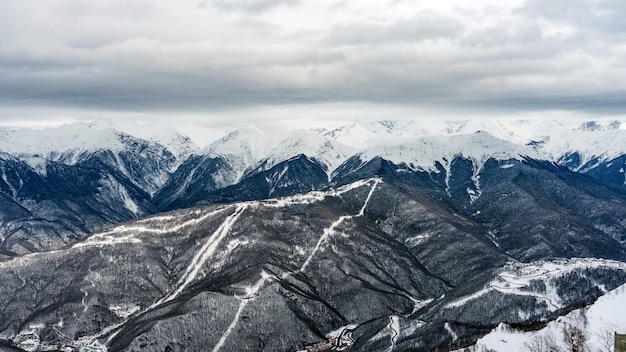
423	153
67	143
578	145
181	139
243	148
551	140
251	149
326	151
600	125
77	136
367	134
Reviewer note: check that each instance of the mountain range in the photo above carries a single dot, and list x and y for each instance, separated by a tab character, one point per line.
377	236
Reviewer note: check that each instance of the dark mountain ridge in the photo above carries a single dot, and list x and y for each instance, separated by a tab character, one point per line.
380	261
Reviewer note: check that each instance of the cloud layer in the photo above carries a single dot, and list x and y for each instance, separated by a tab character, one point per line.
198	56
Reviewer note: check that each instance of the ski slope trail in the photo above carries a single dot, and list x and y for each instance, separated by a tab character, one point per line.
191	273
394	329
331	230
207	250
252	292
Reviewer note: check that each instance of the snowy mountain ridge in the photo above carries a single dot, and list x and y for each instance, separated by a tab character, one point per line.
423	153
427	225
249	148
550	138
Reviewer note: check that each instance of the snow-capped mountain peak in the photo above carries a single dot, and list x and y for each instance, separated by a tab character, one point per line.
243	148
326	151
423	153
76	136
366	134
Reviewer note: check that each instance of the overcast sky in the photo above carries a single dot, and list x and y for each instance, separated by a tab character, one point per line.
245	61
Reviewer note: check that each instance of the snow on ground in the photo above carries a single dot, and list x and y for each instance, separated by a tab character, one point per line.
329	231
243	148
167	223
124	310
194	268
423	142
367	134
159	224
419	144
548	139
251	294
206	252
515	278
315	196
77	136
107	240
328	152
450	331
168	134
605	317
422	154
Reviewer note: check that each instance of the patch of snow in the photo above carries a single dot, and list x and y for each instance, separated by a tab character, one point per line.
606	316
475	194
107	240
326	233
338	332
251	294
315	196
416	240
462	301
394	328
513	278
124	310
329	231
369	196
448	171
450	331
419	304
207	250
275	178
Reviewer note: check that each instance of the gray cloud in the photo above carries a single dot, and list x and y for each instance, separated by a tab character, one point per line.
424	25
589	15
134	55
249	6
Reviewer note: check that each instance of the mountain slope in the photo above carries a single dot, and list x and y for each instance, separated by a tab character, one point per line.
592	147
281	274
241	264
603	318
61	184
